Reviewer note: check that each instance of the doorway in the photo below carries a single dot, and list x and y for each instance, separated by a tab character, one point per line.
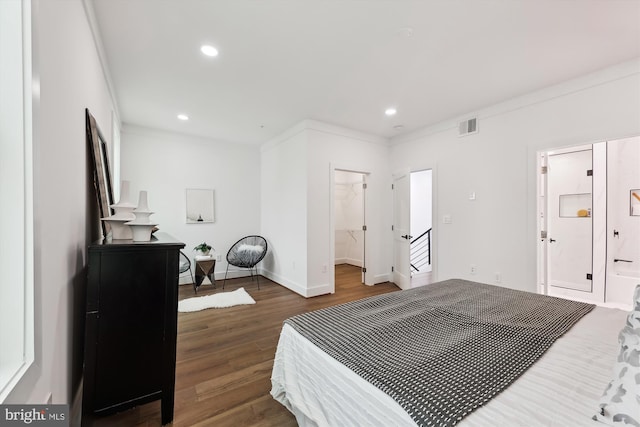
589	228
420	245
412	228
349	220
569	220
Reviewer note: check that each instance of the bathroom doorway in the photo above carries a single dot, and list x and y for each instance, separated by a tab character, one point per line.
589	222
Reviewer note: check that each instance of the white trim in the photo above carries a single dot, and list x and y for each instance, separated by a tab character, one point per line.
283	137
599	220
318	126
379	278
304	291
167	135
345	132
541	222
23	365
368	249
435	224
317	290
280	280
570	149
30	98
351	261
599	225
598	78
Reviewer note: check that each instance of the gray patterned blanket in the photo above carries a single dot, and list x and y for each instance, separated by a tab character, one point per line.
443	350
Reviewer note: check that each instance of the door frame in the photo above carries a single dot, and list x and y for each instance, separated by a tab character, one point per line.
420	276
435	215
599	223
406	174
332	223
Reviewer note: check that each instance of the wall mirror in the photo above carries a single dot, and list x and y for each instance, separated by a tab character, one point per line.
101	173
200	207
635	202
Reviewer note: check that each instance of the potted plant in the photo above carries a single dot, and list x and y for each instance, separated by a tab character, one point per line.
203	248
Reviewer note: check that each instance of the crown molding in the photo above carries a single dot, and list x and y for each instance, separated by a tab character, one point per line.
578	84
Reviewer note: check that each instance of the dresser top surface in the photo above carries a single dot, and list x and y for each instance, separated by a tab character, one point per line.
157	239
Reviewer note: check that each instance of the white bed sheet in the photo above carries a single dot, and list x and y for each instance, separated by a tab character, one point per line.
561	389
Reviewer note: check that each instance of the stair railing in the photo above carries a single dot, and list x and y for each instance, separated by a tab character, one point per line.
420	248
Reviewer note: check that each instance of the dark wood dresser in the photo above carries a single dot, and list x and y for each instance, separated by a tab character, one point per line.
131	324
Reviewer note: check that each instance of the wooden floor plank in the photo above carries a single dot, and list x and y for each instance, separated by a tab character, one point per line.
225	356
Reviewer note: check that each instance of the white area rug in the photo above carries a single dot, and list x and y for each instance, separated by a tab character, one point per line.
219	300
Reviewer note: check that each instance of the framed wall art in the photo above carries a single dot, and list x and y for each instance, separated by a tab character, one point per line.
200	206
101	172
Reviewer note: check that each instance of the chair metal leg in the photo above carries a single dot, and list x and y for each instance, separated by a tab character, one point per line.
193	281
225	277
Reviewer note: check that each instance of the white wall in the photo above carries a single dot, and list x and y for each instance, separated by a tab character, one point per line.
166	164
331	148
70	79
496	232
284	209
297	203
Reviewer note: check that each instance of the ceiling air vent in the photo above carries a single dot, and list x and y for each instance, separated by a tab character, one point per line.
468	127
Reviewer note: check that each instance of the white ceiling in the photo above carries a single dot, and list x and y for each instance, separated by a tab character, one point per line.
345	61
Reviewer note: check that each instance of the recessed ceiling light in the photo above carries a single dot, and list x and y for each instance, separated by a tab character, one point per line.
209	50
183	117
390	111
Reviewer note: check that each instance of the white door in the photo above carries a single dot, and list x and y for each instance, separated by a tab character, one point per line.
401	225
569	237
364	229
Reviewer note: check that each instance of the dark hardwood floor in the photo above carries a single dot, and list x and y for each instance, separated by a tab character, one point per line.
225	356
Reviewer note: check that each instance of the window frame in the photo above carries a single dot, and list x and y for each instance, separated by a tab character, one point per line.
20	150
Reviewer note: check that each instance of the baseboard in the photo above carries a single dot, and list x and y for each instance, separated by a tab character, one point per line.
233	274
218	275
282	281
380	278
317	290
421	279
322	289
350	261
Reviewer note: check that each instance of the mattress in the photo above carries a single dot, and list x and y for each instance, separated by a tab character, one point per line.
561	389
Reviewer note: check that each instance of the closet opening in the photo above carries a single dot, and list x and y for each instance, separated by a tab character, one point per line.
349	226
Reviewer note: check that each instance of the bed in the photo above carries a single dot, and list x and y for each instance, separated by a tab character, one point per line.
561	386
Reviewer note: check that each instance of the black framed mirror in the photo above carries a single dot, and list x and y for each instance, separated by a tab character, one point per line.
101	172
